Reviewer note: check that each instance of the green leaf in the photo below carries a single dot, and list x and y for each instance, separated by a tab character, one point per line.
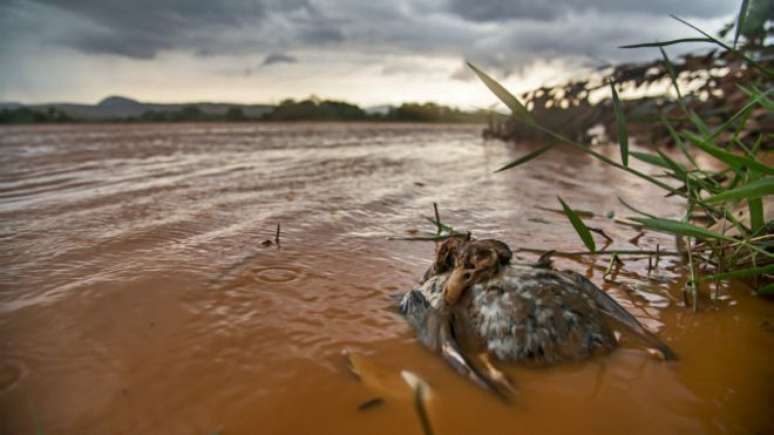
517	108
741	273
733	160
525	158
740	20
580	227
665	43
679	228
620	120
766	290
751	190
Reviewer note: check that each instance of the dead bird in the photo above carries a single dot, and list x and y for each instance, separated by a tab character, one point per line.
474	303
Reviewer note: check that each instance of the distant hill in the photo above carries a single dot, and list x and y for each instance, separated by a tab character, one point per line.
120	108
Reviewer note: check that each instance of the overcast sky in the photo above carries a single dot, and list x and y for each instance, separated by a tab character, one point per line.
366	51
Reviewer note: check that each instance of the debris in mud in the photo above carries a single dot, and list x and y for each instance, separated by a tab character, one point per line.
402	386
370	404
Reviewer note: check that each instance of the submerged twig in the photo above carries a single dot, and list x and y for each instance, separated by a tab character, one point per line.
277	236
419	404
376	401
437	218
603	252
615	262
430	238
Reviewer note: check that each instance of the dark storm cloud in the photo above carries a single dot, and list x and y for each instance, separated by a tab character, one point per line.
141	28
278	58
504	35
501	10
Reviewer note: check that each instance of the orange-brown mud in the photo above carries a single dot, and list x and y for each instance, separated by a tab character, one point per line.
136	296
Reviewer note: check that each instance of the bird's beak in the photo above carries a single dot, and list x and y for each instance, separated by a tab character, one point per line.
462	278
459	280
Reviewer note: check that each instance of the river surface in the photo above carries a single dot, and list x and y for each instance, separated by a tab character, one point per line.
137	295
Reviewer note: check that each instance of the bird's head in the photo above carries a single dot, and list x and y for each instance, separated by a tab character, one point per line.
475	261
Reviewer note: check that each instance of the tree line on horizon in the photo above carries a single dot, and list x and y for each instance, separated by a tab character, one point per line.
311	109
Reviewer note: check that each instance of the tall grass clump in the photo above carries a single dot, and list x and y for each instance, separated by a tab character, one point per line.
726	232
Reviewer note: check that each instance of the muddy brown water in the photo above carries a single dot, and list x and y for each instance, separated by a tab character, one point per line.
136	296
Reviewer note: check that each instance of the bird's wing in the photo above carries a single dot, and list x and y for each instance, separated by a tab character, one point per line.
615	311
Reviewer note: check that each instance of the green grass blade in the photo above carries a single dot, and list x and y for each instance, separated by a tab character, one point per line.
672	75
679	141
620	121
740	20
756	98
756	214
733	160
679	228
650	158
580	227
634	209
513	103
755	205
711	38
752	190
665	43
678	170
742	273
760	96
699	123
662	160
766	290
525	158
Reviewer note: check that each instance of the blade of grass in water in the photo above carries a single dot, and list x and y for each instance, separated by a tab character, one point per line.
680	228
650	158
620	121
742	273
513	103
525	158
752	190
580	227
755	205
766	290
731	159
636	210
